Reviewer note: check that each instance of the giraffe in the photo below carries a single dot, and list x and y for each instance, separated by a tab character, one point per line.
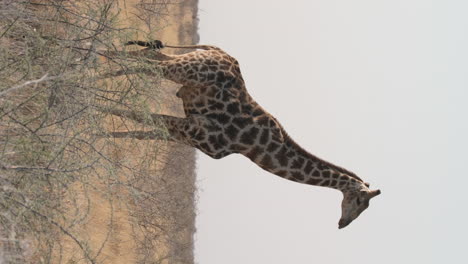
221	118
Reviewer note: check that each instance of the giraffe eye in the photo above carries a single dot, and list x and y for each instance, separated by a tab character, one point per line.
358	201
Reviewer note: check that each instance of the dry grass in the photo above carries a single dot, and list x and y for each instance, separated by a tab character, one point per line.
68	195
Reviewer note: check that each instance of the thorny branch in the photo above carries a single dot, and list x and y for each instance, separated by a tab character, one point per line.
35	82
63	229
60	157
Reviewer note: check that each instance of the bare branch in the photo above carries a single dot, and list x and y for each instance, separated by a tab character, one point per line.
63	229
60	169
35	82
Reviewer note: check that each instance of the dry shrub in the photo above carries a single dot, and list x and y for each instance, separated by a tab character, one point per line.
54	163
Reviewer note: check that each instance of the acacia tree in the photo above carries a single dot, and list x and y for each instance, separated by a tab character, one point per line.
54	160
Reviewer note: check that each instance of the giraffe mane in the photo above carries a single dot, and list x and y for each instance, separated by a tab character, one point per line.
289	140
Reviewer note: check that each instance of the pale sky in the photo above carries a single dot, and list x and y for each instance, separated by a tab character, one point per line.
379	87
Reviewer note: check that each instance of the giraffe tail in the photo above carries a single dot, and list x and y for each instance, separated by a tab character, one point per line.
157	44
154	44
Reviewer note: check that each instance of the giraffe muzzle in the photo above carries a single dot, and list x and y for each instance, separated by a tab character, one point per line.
344	223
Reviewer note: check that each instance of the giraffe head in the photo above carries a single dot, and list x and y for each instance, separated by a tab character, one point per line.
354	203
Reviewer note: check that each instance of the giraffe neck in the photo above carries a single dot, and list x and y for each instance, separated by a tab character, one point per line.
292	162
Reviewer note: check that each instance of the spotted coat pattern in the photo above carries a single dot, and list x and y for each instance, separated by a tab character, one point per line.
222	119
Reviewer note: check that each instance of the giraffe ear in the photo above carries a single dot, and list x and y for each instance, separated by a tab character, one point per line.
373	193
367	184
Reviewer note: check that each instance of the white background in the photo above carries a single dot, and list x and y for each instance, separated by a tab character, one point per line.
378	87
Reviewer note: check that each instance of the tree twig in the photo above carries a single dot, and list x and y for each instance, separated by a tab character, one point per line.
42	79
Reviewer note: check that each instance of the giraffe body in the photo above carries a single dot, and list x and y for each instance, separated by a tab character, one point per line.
221	116
222	119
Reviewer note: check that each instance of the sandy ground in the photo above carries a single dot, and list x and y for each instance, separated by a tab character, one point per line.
116	231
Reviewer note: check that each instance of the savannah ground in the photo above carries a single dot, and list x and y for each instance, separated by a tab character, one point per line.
68	193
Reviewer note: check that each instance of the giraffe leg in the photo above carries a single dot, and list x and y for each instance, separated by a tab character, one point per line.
169	69
148	53
144	53
182	69
124	72
192	130
141	135
135	116
180	129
